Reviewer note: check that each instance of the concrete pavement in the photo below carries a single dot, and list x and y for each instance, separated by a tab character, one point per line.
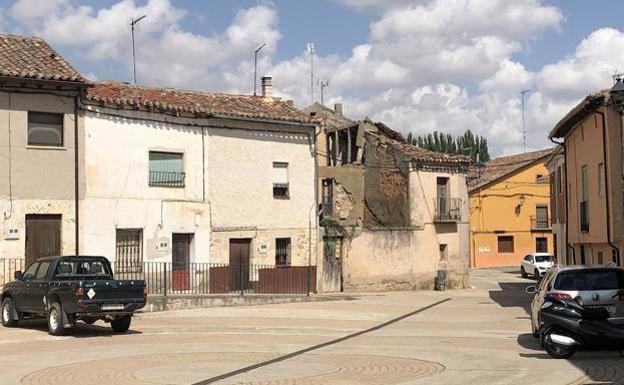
479	336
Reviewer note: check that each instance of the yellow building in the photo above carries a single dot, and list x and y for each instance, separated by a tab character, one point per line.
509	214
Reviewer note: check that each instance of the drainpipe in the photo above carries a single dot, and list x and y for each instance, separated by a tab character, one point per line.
567	196
607	186
76	179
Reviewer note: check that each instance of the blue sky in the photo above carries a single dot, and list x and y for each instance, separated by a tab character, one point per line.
417	65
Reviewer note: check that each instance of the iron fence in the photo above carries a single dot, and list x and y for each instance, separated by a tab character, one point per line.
540	223
166	278
447	209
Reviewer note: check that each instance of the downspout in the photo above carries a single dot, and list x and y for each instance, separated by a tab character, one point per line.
607	185
76	179
567	198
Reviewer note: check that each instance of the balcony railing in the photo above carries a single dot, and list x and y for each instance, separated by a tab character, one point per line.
447	209
540	223
166	178
584	216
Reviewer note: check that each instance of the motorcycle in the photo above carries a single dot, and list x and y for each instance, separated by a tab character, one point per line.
567	325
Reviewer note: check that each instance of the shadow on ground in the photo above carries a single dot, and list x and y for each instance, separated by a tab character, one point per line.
512	294
80	330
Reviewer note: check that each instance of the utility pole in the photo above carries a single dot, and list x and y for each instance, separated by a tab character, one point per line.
323	84
311	52
256	66
132	24
522	96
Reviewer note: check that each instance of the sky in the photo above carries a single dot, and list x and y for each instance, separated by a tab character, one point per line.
416	65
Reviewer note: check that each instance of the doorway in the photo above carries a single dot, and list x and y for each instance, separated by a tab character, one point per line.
240	250
43	236
181	261
541	245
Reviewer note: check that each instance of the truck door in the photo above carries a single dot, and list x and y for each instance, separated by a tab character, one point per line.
21	293
35	289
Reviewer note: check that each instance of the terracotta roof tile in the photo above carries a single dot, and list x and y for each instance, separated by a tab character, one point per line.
178	100
328	116
497	168
32	58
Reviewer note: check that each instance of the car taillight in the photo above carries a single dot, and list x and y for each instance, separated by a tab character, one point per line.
562	296
79	292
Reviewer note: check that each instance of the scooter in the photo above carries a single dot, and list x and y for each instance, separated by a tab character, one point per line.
567	325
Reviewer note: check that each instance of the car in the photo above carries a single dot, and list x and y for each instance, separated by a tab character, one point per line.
598	287
536	264
69	289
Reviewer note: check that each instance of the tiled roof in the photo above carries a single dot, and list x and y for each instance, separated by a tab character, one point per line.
328	116
497	168
32	58
177	100
579	112
414	153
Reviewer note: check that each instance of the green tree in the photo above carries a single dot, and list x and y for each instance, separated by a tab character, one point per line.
474	146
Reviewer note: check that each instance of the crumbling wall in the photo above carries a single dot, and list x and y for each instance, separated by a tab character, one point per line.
386	188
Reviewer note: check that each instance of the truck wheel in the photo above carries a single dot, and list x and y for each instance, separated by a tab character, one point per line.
121	325
55	320
8	313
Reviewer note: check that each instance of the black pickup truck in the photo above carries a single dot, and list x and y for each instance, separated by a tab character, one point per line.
69	289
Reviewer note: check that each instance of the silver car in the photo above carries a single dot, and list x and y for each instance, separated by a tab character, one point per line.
598	286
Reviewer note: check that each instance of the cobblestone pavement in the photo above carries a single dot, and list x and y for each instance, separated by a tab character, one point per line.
479	336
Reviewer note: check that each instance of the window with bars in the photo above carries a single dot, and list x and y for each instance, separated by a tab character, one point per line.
282	252
166	169
280	180
328	197
129	251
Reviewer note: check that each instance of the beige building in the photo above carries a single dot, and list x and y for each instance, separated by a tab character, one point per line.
591	137
40	150
392	214
556	171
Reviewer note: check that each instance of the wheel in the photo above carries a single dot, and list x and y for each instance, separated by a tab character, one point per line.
121	325
558	351
523	272
8	313
55	320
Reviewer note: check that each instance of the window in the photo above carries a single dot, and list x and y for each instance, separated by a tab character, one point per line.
91	267
328	197
280	180
129	251
506	244
541	217
42	272
282	252
601	179
584	204
529	258
30	272
590	280
45	129
541	245
166	169
443	252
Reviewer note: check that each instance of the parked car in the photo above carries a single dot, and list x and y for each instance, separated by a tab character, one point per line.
536	264
598	287
69	289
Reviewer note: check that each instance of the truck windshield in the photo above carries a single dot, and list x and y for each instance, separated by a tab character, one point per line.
72	268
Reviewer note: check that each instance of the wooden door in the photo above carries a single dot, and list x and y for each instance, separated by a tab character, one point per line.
240	250
442	195
43	236
181	262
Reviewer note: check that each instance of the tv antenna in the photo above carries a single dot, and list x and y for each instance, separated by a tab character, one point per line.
256	51
323	84
132	24
311	53
522	96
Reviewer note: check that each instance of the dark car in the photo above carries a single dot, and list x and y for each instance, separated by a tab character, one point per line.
69	289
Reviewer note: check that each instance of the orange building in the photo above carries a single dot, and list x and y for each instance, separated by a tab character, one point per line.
509	213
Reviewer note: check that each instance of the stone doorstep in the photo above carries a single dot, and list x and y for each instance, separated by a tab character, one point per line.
179	302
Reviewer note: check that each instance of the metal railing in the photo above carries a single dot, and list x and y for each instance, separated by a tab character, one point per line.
447	209
166	278
584	216
540	223
166	178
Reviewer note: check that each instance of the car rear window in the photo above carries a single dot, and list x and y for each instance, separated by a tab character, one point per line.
542	258
588	280
81	268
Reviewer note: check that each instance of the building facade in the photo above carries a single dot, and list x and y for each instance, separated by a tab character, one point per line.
393	215
591	137
556	171
509	209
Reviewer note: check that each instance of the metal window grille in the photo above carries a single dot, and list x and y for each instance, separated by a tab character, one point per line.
328	197
129	251
282	252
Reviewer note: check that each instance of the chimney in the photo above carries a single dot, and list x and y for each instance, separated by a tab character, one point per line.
267	87
338	108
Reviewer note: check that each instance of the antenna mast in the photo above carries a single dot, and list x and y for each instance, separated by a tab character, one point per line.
256	66
311	52
323	84
133	21
522	96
